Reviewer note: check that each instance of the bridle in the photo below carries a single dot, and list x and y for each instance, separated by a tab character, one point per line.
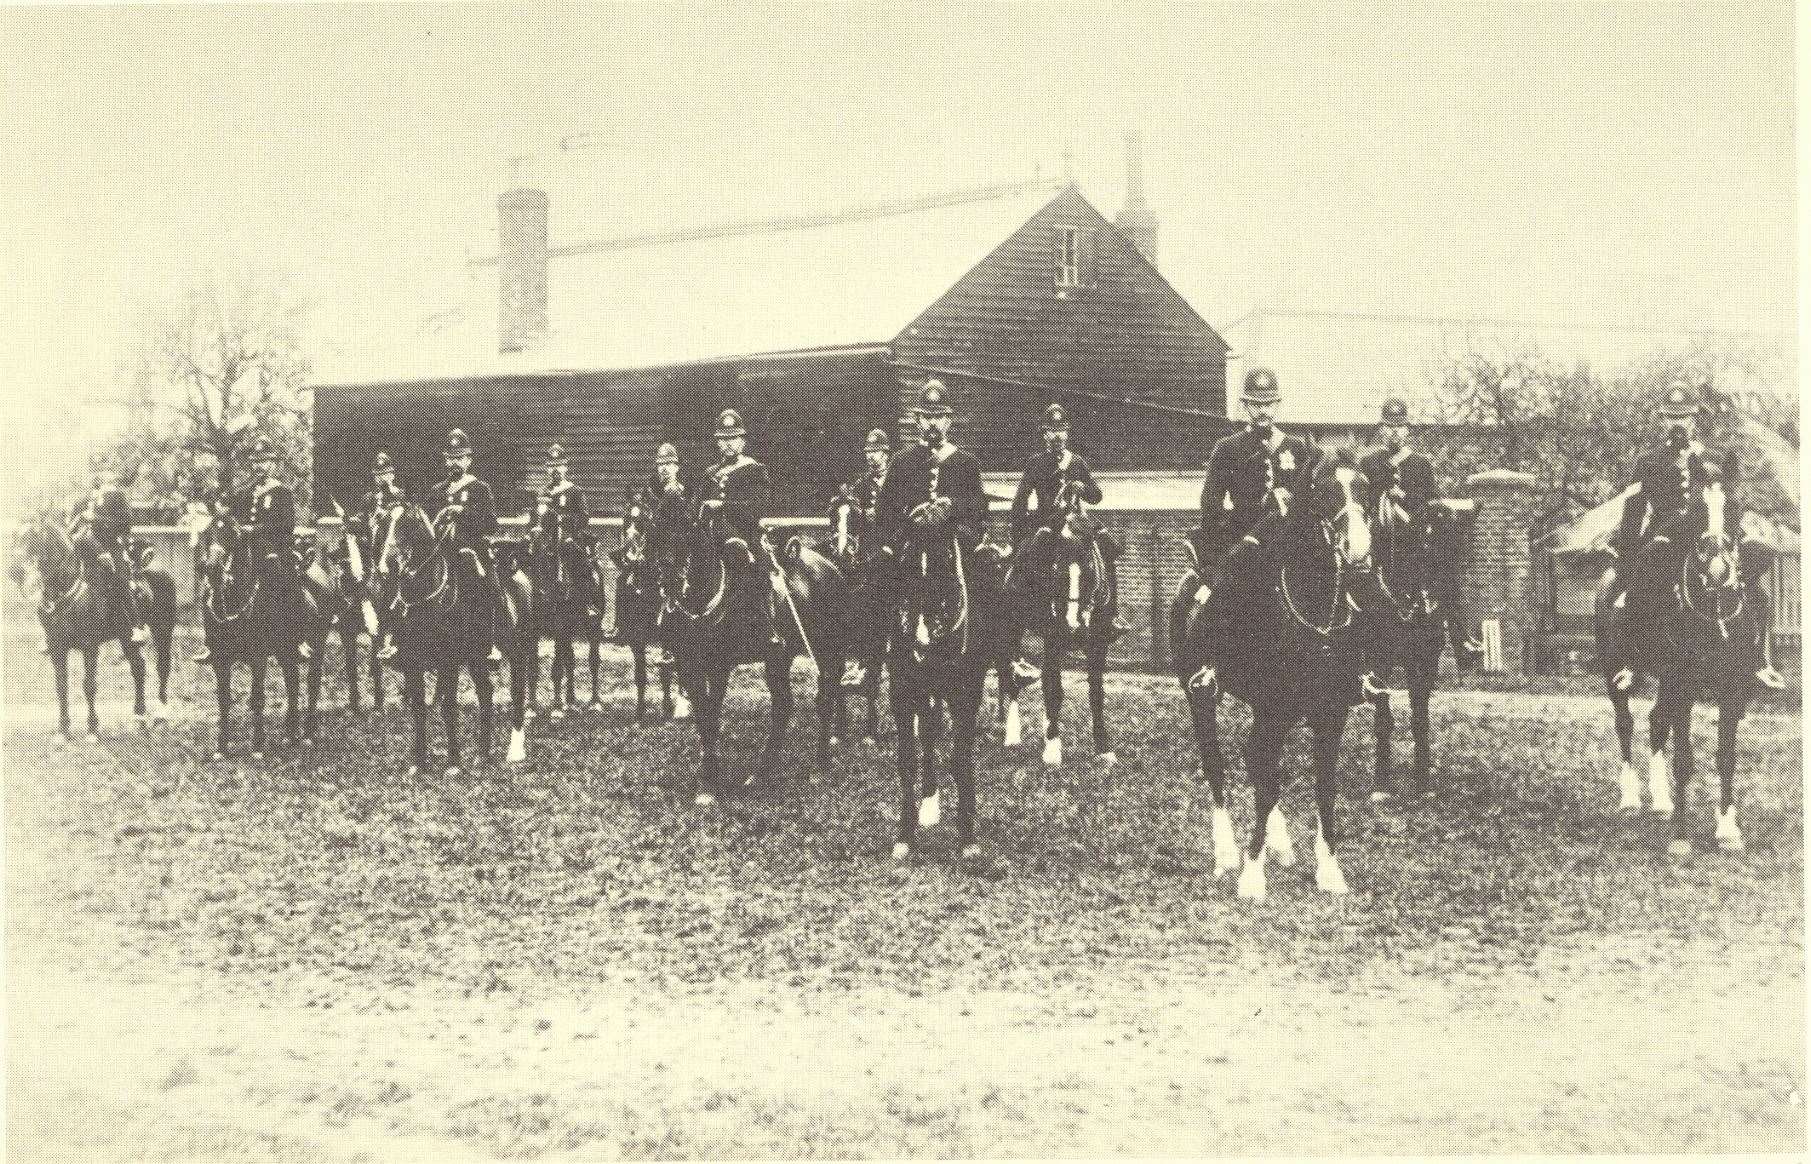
1340	605
231	562
408	570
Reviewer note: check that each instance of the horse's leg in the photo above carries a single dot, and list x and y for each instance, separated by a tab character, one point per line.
1625	739
832	708
1056	645
255	704
1682	767
446	690
639	653
871	692
377	675
292	706
965	710
779	718
1383	727
907	720
1263	746
1660	725
162	639
135	662
317	667
91	666
349	645
1097	692
415	694
223	694
1421	693
59	663
1729	719
481	682
1202	708
517	751
597	697
1328	727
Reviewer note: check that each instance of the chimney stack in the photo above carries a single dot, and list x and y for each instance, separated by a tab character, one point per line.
1136	220
521	269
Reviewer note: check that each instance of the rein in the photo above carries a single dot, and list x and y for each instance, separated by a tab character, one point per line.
1339	614
713	610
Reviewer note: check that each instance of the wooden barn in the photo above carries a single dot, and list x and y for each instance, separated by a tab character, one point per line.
817	328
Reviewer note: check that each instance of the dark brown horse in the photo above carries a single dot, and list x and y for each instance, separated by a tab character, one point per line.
443	618
1689	621
714	615
245	621
1071	601
952	621
1289	647
851	543
569	603
638	603
1407	619
80	612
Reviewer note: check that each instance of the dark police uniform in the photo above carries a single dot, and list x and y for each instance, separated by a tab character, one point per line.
917	475
1242	472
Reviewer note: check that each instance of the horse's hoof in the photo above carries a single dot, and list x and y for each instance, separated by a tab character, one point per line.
144	722
518	747
1729	833
1226	846
704	800
93	737
930	811
971	852
1732	843
1109	759
557	713
162	714
219	755
1252	882
257	753
1277	841
1327	873
454	770
901	850
1053	751
414	770
836	741
1380	795
868	742
1680	848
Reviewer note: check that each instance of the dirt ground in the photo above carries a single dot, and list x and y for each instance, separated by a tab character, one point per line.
318	958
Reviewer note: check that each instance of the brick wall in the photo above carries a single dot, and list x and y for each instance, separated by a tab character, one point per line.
1496	575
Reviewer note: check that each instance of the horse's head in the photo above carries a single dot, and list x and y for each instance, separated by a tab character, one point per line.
44	544
848	524
1334	510
1716	554
410	536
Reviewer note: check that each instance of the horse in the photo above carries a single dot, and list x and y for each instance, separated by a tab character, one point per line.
244	622
850	544
340	601
80	614
441	621
1291	649
713	616
1689	622
569	602
157	598
1071	599
638	603
951	622
357	579
1407	622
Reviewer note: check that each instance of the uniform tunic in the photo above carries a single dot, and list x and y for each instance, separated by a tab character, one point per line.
1242	471
917	475
1034	506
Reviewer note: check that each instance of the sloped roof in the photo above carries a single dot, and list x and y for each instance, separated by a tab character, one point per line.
1339	367
839	282
1590	531
1782	458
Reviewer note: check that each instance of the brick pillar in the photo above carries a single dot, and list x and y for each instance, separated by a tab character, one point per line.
1498	580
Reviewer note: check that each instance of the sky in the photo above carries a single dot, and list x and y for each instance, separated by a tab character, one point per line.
1625	164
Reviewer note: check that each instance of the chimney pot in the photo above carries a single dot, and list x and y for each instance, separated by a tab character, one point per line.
1136	219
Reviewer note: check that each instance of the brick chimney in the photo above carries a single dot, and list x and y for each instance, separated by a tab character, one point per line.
521	269
1135	220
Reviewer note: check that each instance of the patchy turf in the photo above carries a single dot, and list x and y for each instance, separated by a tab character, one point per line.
1515	961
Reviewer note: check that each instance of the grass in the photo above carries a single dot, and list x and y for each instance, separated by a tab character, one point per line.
327	880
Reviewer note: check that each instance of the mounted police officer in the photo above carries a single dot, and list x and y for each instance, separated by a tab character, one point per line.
1053	478
473	509
877	451
108	548
737	493
560	512
1670	479
1252	473
931	486
932	483
373	512
267	509
1403	479
666	497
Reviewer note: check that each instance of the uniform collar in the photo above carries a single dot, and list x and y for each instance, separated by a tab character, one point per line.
1400	455
562	487
736	462
460	481
942	452
1276	435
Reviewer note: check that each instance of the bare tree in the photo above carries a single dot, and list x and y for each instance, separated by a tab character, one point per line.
214	370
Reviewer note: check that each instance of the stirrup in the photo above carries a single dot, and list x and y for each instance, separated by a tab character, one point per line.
854	674
1023	670
204	655
1206	679
141	633
1368	684
387	651
1770	678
